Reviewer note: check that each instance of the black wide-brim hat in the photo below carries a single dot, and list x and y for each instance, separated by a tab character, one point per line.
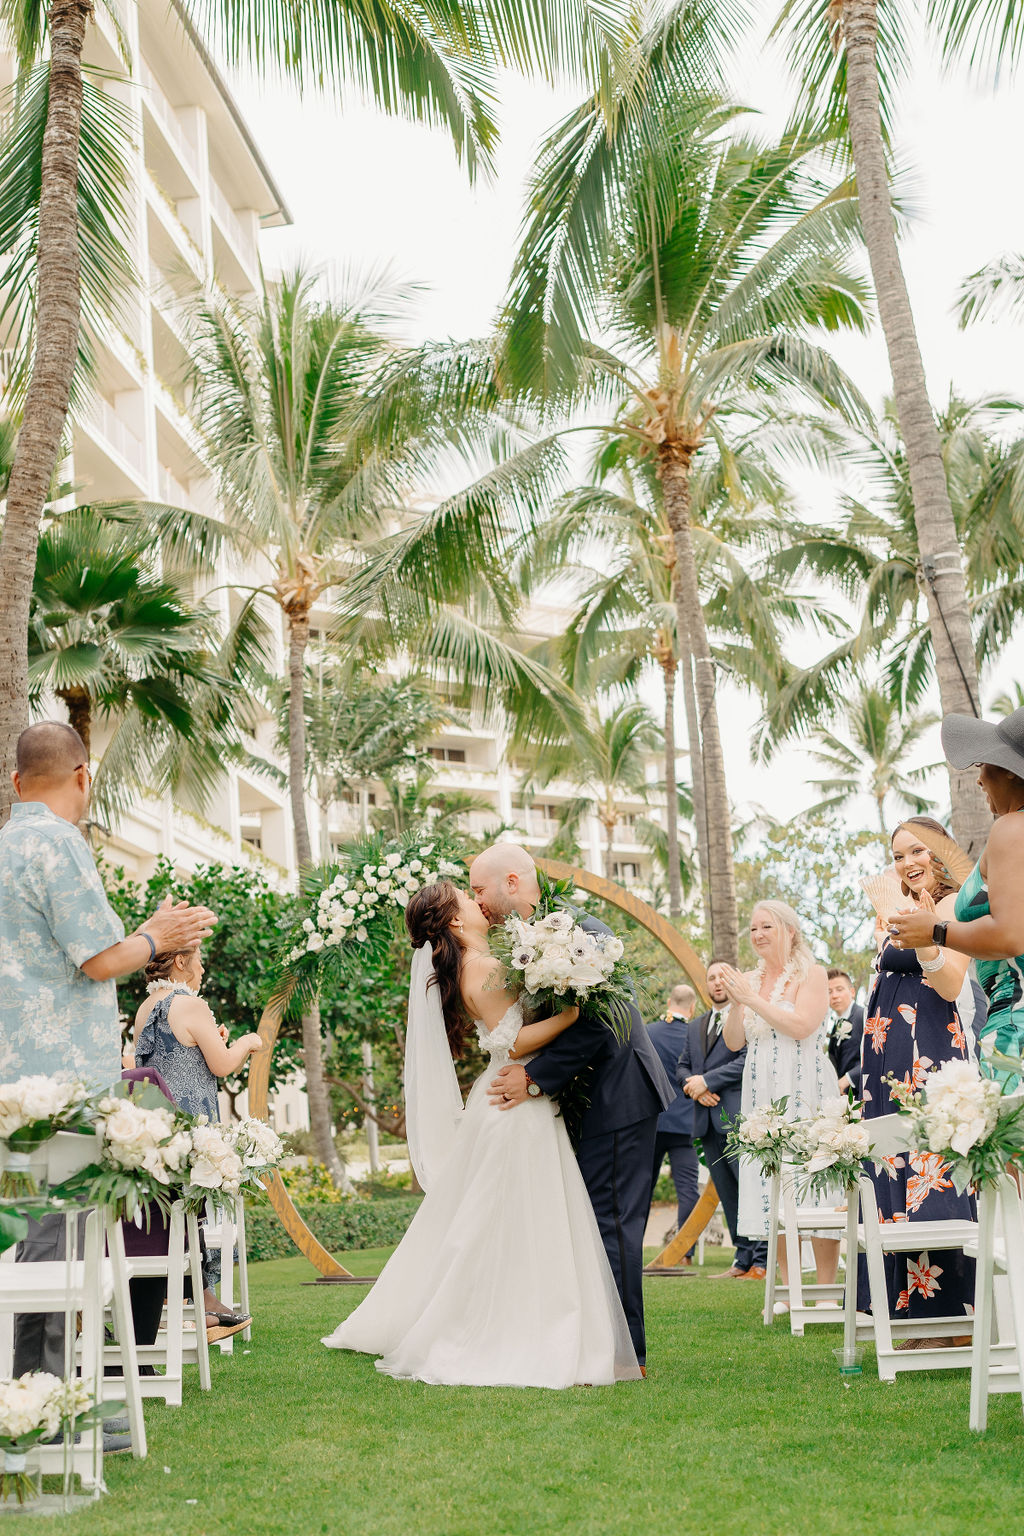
966	741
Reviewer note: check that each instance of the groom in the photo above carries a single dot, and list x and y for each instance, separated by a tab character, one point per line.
629	1090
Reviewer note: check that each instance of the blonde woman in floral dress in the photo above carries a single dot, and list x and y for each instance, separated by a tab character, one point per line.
778	1011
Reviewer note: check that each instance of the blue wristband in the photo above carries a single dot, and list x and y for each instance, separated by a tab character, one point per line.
141	934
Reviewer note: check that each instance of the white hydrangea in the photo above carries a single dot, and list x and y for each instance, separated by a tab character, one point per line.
214	1163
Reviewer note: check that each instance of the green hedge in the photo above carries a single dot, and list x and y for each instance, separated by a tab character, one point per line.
353	1224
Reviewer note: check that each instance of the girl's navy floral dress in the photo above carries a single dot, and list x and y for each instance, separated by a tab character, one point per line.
909	1030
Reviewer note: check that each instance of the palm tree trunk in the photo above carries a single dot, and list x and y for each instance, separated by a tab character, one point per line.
320	1120
79	708
675	884
57	319
937	540
700	812
721	878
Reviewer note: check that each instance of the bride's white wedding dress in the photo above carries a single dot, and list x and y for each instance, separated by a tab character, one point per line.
502	1278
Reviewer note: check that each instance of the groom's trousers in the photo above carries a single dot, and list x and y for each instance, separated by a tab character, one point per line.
616	1169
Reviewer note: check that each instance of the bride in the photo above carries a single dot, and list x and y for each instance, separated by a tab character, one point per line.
502	1277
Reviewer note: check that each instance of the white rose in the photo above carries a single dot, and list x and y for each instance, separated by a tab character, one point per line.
315	942
351	898
613	947
307	925
346	919
415	865
393	860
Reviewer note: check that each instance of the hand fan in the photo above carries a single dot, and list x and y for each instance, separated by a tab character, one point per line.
885	894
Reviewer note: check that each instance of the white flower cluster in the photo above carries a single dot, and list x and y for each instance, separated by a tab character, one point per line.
353	899
555	952
39	1401
257	1144
35	1098
764	1130
134	1137
958	1107
836	1134
214	1163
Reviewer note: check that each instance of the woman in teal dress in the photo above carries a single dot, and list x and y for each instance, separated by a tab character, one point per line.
988	919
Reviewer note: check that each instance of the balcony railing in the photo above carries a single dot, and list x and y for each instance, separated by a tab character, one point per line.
168	118
231	225
171	489
104	418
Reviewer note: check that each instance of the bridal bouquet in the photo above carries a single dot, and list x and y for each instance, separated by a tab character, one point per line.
36	1407
830	1147
554	964
32	1110
766	1136
354	908
964	1117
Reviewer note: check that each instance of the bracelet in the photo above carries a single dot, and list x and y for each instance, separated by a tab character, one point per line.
140	933
933	965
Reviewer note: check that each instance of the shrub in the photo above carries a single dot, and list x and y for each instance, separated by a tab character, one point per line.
342	1227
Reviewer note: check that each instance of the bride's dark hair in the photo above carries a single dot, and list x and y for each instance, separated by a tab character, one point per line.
429	917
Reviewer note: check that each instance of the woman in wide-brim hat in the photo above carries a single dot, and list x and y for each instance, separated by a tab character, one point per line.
988	921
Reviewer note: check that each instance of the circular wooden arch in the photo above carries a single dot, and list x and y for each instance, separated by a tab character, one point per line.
270	1025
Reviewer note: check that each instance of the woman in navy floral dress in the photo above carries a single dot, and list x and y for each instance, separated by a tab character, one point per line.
911	1028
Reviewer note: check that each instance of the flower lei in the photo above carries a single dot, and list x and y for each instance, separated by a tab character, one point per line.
754	1027
163	983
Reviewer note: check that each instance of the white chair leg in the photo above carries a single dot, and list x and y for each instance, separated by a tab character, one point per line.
981	1341
89	1454
198	1306
175	1304
121	1310
772	1261
227	1268
876	1284
794	1257
1013	1228
243	1263
850	1293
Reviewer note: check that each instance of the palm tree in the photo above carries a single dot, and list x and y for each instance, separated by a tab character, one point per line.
123	647
1006	703
706	255
870	760
873	560
608	761
855	50
432	64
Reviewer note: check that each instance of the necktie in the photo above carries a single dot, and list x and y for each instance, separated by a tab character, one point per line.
714	1028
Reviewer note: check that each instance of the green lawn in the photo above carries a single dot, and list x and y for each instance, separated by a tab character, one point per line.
738	1429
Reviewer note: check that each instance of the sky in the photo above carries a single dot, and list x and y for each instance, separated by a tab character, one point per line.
369	193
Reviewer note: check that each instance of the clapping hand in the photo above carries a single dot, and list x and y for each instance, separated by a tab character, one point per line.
737	986
913	930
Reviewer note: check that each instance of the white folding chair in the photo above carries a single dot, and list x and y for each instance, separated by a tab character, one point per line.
225	1228
796	1220
175	1346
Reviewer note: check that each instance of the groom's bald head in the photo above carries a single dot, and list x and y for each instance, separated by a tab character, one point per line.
504	880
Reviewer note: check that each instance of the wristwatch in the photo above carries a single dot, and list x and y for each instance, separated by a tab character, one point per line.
532	1088
939	934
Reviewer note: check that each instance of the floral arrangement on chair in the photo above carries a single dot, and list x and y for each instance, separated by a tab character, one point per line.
968	1119
32	1110
765	1137
830	1147
36	1407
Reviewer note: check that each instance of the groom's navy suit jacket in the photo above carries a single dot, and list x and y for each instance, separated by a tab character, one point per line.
721	1069
630	1083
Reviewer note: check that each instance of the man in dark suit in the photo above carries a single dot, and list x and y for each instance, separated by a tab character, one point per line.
628	1089
847	1032
711	1077
675	1124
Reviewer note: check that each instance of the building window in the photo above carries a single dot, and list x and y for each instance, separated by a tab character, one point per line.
448	754
625	872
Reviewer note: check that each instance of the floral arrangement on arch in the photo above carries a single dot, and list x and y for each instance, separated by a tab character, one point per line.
355	907
968	1119
36	1407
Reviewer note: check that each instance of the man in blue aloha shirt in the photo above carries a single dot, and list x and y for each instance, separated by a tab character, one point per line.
61	947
